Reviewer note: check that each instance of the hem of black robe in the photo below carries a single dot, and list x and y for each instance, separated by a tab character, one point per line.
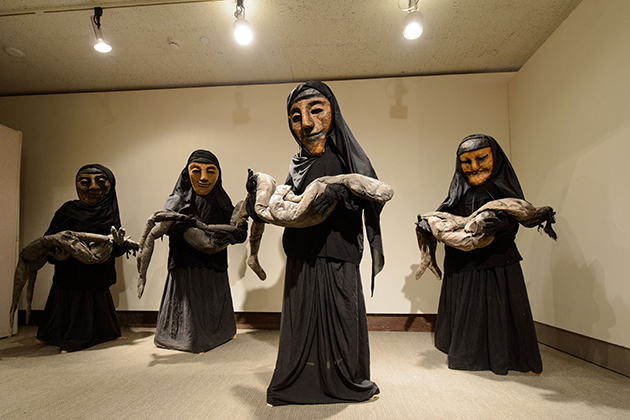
196	313
523	354
76	320
310	288
173	345
503	372
321	399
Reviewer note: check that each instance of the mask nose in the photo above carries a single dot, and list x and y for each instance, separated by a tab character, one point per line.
308	123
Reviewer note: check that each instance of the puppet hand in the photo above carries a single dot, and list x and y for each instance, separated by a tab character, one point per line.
59	254
492	225
250	184
331	194
181	224
240	235
423	224
250	205
250	201
221	238
118	235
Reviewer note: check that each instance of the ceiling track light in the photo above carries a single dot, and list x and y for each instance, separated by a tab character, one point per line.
100	46
414	21
242	30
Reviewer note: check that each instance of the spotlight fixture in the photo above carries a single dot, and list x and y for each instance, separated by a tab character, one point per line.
242	31
413	21
100	46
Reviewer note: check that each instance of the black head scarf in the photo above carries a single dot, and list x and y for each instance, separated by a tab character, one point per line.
103	214
353	158
184	200
502	176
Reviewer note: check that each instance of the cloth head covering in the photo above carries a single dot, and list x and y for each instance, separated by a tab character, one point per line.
354	159
104	213
502	176
184	200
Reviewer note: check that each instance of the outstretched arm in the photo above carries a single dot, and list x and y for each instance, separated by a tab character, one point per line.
152	232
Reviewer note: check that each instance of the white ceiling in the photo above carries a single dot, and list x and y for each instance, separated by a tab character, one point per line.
294	41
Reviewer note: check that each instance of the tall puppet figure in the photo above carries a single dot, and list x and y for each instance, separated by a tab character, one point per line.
484	320
196	313
323	354
80	312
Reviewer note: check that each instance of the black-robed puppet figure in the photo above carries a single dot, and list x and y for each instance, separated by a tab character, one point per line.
323	354
196	313
484	320
80	312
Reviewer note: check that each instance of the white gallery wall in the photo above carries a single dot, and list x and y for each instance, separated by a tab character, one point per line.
410	128
570	131
564	120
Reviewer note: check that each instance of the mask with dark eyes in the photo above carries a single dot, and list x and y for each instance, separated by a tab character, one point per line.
92	185
311	118
477	165
203	177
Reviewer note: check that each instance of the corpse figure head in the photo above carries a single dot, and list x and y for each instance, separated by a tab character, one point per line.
203	176
476	160
92	185
310	118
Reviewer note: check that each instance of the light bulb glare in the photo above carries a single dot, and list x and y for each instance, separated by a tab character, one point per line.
413	25
243	32
102	47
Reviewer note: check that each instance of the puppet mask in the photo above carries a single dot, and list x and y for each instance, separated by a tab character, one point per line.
92	185
310	122
203	177
477	165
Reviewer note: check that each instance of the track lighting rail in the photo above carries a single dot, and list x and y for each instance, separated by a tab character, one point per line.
84	7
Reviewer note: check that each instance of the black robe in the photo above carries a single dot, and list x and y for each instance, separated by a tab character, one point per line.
196	312
323	354
484	319
79	311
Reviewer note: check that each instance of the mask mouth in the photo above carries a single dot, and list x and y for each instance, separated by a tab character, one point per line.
314	136
479	172
478	178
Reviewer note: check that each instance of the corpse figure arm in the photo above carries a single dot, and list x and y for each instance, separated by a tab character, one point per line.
278	205
88	248
480	228
205	238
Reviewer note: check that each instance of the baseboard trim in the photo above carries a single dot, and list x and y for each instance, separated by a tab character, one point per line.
601	353
269	320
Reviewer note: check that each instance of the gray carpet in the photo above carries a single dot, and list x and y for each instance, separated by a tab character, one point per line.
132	379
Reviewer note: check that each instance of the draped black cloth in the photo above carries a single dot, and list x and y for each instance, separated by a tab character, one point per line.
79	311
323	354
354	160
196	312
484	319
102	215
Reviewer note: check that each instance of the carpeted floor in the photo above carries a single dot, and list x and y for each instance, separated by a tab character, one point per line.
132	379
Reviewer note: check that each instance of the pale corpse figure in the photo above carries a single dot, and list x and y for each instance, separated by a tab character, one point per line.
323	354
484	320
